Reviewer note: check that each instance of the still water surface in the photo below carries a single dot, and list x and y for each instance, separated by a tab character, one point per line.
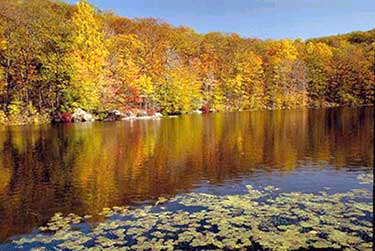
83	168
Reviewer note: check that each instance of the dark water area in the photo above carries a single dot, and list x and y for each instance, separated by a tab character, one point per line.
83	168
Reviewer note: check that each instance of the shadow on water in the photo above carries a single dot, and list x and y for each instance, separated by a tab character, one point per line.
82	168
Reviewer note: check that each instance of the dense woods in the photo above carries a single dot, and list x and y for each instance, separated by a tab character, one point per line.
56	57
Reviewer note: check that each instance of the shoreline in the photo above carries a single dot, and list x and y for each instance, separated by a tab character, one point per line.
42	120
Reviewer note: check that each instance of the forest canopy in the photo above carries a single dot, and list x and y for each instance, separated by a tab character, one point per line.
55	57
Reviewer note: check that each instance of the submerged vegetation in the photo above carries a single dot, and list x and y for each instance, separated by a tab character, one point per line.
56	57
258	219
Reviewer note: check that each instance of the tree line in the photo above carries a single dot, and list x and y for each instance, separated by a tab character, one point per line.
55	57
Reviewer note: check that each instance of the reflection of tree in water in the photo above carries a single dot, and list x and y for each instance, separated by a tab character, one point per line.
84	168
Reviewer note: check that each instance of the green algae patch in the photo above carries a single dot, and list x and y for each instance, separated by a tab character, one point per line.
260	219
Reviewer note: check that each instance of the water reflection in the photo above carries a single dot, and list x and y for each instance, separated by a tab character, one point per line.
83	168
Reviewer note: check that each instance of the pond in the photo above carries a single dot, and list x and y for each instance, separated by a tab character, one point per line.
264	180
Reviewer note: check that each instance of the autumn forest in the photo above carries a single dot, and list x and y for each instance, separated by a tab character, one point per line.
55	57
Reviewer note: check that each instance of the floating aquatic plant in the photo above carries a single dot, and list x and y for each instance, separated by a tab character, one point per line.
258	219
366	178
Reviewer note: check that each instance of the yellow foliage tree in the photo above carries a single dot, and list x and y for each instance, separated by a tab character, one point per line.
318	57
281	56
181	92
146	91
88	57
125	67
244	89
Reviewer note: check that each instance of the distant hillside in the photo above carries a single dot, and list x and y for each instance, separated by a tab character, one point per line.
355	37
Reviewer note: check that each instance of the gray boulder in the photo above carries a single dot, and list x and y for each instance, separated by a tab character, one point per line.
158	115
80	115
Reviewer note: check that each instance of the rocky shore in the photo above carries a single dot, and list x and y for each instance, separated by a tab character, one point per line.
80	115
